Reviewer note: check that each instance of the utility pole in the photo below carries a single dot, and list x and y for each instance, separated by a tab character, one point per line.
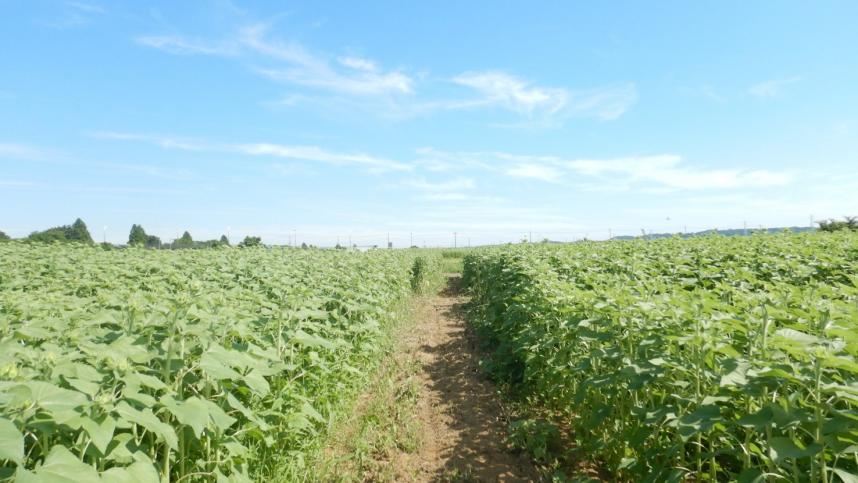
745	228
350	242
410	239
104	234
469	242
610	234
228	229
530	237
454	239
811	221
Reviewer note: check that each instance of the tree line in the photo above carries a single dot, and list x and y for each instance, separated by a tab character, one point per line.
78	232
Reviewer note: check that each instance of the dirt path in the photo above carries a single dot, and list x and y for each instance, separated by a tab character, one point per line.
463	429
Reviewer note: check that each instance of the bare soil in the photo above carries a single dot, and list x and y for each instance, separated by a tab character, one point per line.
464	430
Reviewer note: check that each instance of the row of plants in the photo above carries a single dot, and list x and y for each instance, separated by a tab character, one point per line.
707	359
142	365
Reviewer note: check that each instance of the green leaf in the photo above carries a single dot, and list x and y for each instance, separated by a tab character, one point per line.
60	466
845	476
191	412
148	420
101	432
701	420
137	472
757	420
787	448
257	383
11	442
54	398
307	340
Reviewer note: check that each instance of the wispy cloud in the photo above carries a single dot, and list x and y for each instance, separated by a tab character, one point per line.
394	90
26	152
264	149
665	170
178	45
314	153
606	103
505	90
292	62
86	7
772	88
456	184
513	93
72	14
656	172
540	172
458	196
165	142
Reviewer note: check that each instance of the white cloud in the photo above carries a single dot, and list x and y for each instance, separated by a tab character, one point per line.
606	103
314	153
451	196
450	185
513	93
165	142
664	170
657	173
772	88
297	152
178	45
296	65
502	89
358	63
86	7
535	171
25	151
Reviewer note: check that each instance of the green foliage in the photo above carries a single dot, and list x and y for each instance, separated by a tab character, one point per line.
153	241
137	236
706	359
849	223
534	436
425	273
4	237
187	365
251	241
77	232
224	240
185	241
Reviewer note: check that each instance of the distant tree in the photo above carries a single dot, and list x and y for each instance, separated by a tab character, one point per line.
4	237
186	241
251	241
56	234
77	232
848	223
137	237
153	241
224	240
304	246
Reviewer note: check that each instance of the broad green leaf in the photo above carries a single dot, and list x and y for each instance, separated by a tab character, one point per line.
191	412
149	421
60	466
845	476
100	431
11	442
787	448
137	472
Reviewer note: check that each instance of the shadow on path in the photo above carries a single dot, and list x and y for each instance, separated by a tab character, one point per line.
475	449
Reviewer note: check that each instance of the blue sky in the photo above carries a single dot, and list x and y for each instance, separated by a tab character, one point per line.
420	119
